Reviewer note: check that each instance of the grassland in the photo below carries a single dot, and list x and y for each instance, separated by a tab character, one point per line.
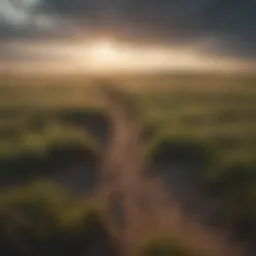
44	125
207	122
221	111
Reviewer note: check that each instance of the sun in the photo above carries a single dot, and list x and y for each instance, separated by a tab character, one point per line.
105	52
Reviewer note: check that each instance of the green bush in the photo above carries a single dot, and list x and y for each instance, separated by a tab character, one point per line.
236	185
41	219
186	150
166	246
35	153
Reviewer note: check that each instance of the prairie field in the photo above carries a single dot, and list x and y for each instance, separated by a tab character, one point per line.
198	133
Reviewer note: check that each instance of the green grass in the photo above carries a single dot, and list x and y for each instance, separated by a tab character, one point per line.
204	120
218	109
225	115
40	218
42	126
211	119
167	246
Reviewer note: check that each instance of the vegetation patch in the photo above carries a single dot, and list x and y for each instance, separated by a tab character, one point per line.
30	154
183	150
41	219
167	246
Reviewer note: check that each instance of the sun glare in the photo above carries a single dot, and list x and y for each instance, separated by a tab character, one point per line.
112	56
104	53
109	55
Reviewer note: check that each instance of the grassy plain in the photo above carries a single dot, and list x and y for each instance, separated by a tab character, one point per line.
208	121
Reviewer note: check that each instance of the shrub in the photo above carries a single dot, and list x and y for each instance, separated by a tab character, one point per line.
41	219
166	246
236	185
36	153
188	151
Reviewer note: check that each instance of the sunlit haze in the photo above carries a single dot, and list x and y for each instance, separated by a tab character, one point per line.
129	35
106	55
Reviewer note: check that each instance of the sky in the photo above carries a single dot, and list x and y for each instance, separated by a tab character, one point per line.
171	33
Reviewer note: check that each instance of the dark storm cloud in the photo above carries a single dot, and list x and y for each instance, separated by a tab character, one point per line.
229	26
9	32
15	20
144	17
230	23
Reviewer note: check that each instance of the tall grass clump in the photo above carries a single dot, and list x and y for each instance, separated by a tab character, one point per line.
42	219
167	246
183	150
37	153
236	184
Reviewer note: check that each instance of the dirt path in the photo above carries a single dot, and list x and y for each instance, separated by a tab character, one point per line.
122	169
141	206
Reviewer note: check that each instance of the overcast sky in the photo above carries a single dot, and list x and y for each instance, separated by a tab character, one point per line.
216	27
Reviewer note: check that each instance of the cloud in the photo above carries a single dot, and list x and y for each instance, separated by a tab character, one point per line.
19	19
17	13
218	26
231	23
